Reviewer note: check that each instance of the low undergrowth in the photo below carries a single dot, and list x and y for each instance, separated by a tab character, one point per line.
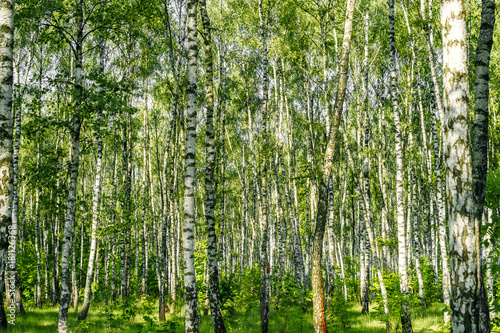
141	316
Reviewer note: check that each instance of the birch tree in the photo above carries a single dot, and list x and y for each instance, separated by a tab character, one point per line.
480	143
190	172
6	190
459	185
400	215
213	275
74	166
322	210
264	256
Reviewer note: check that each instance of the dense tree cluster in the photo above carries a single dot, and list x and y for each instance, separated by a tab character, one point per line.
168	149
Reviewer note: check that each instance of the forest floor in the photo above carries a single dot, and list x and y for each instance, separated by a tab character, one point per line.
101	319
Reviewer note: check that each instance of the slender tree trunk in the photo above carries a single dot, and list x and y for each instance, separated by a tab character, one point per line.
38	287
297	247
416	241
6	74
55	267
95	208
480	143
364	263
12	262
75	161
75	285
45	228
106	270
412	205
264	257
432	63
217	321
402	247
114	205
440	206
321	216
489	275
95	220
190	172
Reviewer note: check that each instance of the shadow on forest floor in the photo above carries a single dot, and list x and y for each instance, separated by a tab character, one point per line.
45	320
285	320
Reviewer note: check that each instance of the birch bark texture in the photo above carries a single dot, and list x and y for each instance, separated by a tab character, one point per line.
458	170
400	209
480	141
264	256
95	204
213	274
74	166
15	212
191	295
6	190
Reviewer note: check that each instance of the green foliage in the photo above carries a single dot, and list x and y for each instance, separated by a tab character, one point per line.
394	295
391	281
290	301
83	326
152	284
492	201
227	288
337	315
134	315
492	191
27	275
431	289
290	294
495	322
351	268
247	294
128	308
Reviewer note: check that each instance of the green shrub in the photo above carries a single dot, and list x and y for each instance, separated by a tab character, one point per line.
431	289
337	314
227	288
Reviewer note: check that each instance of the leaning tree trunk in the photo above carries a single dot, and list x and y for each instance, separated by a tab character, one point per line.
93	241
95	205
402	248
213	278
480	142
459	183
416	240
74	165
190	174
6	74
322	210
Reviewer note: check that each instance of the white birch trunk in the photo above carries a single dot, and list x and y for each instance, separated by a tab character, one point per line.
459	187
75	161
191	294
6	189
402	247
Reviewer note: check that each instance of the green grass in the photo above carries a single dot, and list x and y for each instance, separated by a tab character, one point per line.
423	320
285	320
